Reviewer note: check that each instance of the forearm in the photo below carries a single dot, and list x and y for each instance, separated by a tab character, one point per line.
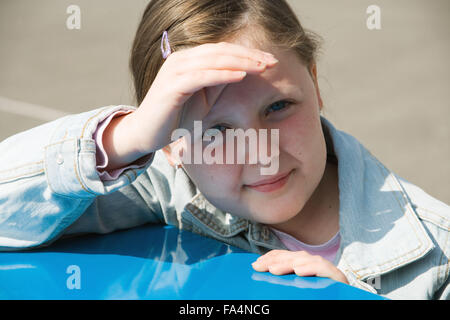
128	138
48	178
120	142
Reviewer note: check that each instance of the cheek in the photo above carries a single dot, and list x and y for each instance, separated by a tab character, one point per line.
300	135
216	180
303	145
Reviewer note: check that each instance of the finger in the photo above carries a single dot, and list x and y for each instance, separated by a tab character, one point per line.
323	269
305	270
281	268
191	95
227	48
262	262
277	262
284	256
304	257
275	257
260	267
195	81
307	262
225	62
273	253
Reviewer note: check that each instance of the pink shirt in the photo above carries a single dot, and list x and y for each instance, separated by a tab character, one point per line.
102	157
326	250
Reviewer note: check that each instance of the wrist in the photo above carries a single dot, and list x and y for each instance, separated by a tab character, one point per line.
120	141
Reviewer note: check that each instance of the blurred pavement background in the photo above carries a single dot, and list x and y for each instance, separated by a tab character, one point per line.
389	88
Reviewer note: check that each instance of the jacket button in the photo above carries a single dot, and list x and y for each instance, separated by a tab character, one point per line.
59	159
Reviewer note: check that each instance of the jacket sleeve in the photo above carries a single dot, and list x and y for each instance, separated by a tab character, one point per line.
48	181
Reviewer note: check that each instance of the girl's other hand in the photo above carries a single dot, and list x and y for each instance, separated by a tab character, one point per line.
301	263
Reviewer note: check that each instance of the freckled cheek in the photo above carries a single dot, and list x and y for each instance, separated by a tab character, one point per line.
215	178
295	136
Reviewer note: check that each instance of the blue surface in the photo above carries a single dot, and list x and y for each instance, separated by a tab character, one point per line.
153	262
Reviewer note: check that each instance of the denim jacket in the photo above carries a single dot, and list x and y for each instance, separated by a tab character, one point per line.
394	236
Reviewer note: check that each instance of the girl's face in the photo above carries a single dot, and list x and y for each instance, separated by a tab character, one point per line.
284	97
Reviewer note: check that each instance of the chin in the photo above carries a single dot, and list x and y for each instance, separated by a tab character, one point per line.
276	211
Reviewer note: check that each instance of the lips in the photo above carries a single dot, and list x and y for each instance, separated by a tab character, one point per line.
269	181
271	184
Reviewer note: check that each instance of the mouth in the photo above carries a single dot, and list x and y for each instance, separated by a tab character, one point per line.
271	184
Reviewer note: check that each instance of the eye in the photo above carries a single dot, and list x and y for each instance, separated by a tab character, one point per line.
277	106
215	130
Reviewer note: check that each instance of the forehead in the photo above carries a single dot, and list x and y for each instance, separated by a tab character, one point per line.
288	77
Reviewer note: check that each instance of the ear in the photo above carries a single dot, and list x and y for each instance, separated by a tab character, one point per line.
313	72
170	152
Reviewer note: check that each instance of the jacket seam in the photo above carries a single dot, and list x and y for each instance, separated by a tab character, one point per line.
65	134
126	174
433	212
409	208
447	222
89	120
442	260
418	208
387	262
134	172
87	150
25	175
46	172
75	167
50	187
82	137
358	279
58	142
22	166
435	223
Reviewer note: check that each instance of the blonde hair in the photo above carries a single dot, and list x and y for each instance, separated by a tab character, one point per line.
191	23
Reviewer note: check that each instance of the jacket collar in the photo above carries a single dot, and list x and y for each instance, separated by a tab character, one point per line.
379	228
224	225
215	220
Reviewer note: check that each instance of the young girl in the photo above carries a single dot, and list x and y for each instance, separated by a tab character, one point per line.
331	210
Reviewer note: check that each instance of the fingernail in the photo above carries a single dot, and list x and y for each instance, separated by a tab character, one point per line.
270	58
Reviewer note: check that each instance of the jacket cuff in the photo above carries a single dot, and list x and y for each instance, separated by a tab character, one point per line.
70	157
